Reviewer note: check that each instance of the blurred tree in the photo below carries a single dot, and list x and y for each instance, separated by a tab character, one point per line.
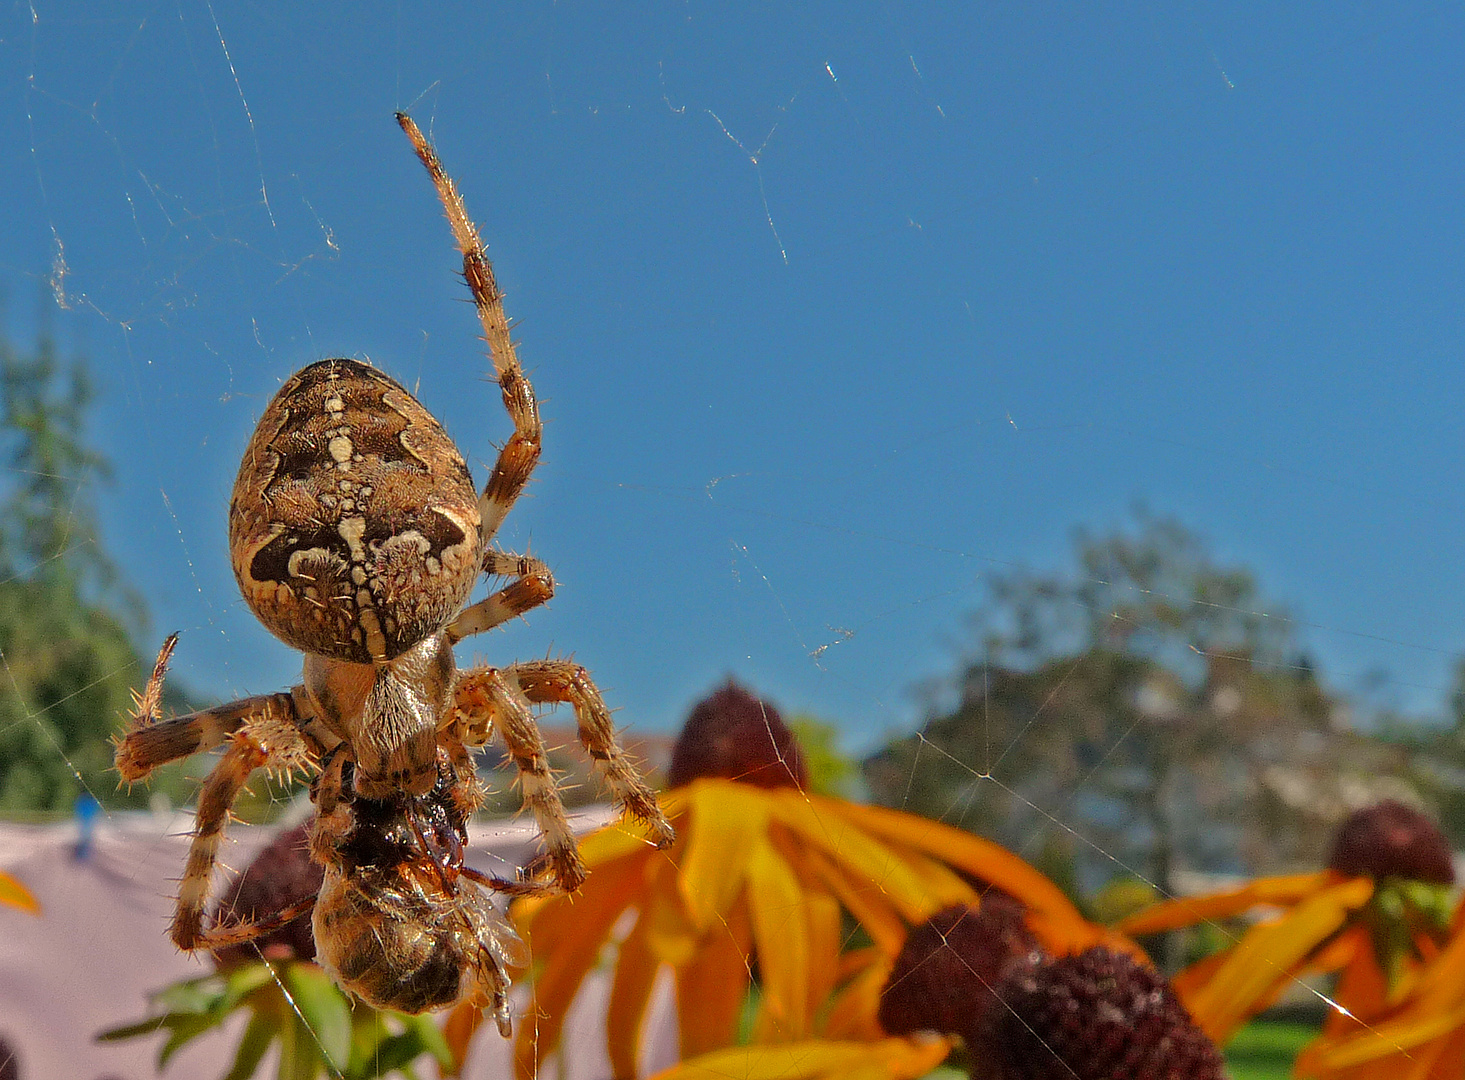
1439	760
1145	712
67	660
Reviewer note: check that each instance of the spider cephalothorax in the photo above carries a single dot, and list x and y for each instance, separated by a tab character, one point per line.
357	537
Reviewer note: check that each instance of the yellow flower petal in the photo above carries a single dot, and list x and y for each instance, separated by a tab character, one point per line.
857	960
854	1011
1189	910
1271	953
711	987
671	934
569	932
1437	1006
970	853
1189	982
940	880
635	975
825	938
889	1059
614	841
824	824
781	937
869	905
15	894
726	821
1396	1039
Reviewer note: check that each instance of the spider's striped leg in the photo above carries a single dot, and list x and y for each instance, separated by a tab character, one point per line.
520	454
259	744
532	586
237	933
484	701
544	681
148	746
151	742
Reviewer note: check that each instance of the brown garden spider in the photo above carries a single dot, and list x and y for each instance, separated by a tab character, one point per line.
356	536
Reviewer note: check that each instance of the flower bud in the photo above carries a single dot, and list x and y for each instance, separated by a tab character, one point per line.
1391	839
735	736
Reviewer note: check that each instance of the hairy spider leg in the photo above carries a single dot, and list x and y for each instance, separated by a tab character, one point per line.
278	747
564	681
151	742
517	458
532	586
485	701
266	732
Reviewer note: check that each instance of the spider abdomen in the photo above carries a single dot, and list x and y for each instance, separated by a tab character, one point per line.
354	527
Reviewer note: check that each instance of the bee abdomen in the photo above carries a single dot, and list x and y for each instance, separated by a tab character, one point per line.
388	947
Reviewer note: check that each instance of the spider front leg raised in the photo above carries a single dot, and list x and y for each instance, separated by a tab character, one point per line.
519	456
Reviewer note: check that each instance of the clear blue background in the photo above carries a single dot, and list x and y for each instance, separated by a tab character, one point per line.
836	308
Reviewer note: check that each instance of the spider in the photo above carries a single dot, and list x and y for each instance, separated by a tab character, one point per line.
356	536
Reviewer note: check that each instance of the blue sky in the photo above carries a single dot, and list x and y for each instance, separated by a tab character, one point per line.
836	308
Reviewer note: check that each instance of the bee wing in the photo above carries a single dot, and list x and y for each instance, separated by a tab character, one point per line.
488	920
510	945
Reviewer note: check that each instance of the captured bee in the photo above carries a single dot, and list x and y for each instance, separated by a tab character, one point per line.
400	920
357	537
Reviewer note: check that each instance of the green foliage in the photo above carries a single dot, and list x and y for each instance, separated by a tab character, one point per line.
1265	1050
831	771
1399	912
1120	898
67	659
321	1031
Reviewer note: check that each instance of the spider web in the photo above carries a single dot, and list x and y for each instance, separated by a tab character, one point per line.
835	314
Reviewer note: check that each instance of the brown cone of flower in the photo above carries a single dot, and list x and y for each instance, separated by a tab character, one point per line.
280	875
735	736
9	1061
944	975
1098	1015
1391	839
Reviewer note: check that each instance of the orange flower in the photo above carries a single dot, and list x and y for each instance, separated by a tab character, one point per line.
764	878
1375	915
13	893
816	1059
1419	1037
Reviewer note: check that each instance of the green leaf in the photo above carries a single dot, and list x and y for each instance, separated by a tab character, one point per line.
191	995
431	1036
367	1032
132	1031
243	981
395	1053
258	1035
300	1054
324	1010
184	1029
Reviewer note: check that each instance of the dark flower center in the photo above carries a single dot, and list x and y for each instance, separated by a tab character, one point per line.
280	875
735	736
945	973
1098	1015
1391	839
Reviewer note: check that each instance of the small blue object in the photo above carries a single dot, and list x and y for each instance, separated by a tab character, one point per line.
87	811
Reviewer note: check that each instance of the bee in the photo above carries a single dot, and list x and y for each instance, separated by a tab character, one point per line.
400	920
